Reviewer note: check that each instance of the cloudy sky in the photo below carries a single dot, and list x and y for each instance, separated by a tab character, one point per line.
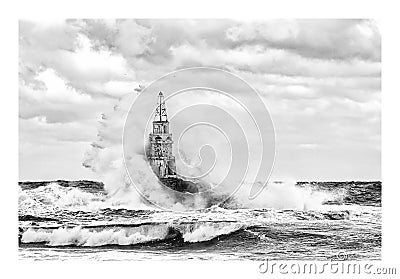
321	80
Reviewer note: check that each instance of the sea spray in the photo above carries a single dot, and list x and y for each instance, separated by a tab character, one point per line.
139	187
284	195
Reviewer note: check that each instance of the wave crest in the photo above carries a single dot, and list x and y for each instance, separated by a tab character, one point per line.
100	236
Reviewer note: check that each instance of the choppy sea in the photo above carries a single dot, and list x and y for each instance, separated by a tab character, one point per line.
66	220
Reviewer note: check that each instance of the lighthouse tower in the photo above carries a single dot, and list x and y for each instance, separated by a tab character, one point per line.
160	152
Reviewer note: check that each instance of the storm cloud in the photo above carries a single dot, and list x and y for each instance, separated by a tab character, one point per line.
321	80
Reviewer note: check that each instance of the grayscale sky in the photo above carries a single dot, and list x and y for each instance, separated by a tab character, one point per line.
321	80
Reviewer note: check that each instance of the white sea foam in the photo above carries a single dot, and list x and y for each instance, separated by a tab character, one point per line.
285	195
54	197
209	231
88	237
100	236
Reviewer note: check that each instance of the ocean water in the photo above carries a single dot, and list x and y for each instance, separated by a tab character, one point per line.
66	220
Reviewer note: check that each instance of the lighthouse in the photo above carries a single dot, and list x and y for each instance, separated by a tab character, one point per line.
160	151
160	154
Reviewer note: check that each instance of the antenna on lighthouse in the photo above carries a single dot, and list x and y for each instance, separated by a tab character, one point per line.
161	110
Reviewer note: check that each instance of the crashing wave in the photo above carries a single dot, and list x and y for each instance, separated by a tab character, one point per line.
128	235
